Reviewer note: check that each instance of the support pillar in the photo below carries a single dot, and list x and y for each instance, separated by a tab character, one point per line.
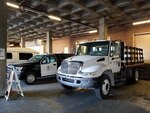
3	41
102	29
49	42
22	42
44	46
7	44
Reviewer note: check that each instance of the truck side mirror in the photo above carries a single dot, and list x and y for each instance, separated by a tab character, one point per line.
111	53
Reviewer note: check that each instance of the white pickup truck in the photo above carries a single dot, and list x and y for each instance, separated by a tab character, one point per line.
97	65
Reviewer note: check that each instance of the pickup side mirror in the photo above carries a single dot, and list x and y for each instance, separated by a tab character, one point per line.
44	61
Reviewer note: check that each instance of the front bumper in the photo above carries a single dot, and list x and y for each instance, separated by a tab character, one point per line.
77	81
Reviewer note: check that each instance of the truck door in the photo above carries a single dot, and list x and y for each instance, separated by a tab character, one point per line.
115	57
48	65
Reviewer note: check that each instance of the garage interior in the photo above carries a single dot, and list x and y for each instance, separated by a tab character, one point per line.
57	26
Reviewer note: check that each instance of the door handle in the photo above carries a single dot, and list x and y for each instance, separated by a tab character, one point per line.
54	64
115	58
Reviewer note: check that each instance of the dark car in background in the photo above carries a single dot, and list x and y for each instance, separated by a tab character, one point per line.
40	65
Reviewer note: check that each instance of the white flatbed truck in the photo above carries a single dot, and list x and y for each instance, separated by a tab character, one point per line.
98	65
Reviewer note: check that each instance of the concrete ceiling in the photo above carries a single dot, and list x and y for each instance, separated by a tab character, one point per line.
78	16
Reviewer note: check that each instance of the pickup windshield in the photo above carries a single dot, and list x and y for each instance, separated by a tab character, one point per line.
94	48
36	58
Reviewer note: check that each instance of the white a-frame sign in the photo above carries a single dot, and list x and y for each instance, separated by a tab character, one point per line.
13	77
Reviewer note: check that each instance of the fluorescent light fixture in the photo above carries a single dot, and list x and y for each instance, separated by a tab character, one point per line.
141	22
54	17
108	38
93	31
40	40
12	5
11	45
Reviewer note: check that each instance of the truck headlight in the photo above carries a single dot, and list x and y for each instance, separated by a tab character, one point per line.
59	69
87	73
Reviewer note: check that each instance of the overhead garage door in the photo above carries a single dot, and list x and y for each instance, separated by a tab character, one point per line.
143	41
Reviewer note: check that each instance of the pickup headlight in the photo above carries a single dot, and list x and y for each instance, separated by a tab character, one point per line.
87	73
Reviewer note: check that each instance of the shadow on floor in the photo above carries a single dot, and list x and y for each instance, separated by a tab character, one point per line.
145	72
45	80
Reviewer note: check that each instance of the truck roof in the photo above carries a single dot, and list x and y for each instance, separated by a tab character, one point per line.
101	41
55	54
19	49
96	41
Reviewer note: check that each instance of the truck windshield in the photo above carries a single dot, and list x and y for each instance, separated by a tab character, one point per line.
36	58
94	48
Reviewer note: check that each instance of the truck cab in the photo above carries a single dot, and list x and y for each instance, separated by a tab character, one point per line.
95	66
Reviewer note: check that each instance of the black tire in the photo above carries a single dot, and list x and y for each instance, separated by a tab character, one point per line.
30	78
129	74
66	87
132	76
136	76
104	87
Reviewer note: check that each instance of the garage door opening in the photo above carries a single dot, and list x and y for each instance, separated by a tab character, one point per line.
142	40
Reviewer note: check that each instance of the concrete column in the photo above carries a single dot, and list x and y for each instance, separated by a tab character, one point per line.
44	46
7	44
3	41
22	42
102	29
49	42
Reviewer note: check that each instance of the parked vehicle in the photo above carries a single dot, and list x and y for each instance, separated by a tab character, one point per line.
40	65
18	55
99	65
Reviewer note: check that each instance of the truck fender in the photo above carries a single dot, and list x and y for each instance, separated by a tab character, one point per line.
100	70
104	69
111	76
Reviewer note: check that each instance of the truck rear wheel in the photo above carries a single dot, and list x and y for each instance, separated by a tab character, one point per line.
129	75
104	87
135	76
30	78
132	76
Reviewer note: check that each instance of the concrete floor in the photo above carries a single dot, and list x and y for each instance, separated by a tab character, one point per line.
47	96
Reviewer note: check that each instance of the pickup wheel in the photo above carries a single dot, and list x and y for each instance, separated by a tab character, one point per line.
104	87
30	78
67	87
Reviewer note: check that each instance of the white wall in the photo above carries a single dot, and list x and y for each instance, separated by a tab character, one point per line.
35	45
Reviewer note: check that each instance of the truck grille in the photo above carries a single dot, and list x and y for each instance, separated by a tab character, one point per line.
68	80
71	67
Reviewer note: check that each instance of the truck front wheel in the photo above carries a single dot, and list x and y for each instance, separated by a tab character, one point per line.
104	87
